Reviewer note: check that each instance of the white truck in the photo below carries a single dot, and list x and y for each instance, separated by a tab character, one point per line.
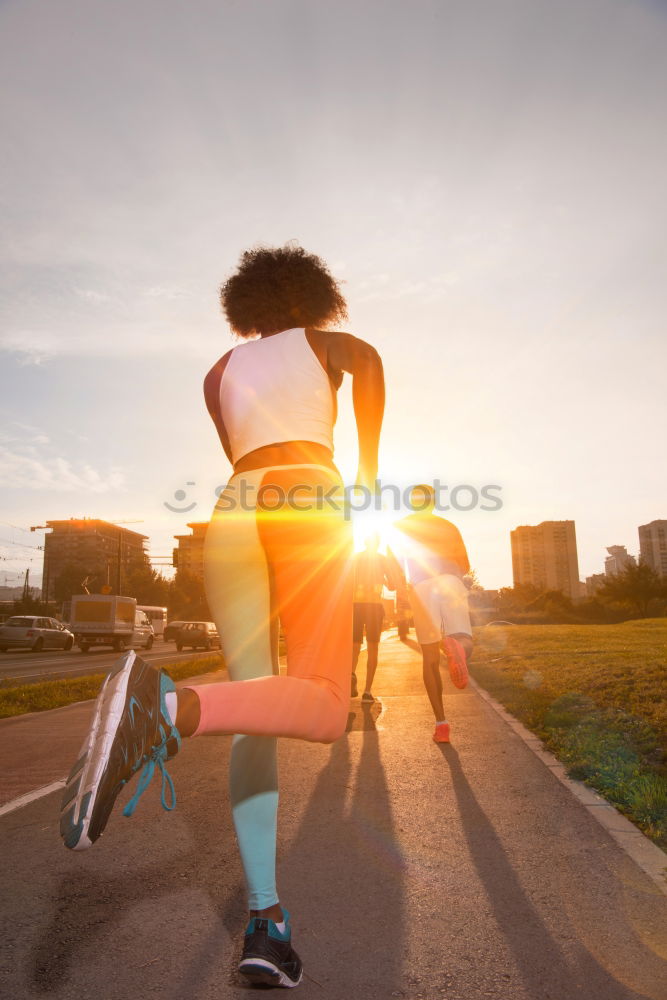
108	620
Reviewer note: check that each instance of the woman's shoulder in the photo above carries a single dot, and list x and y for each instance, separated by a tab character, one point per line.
214	375
319	342
315	335
340	352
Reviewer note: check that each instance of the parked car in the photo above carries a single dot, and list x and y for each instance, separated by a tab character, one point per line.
32	632
171	630
198	634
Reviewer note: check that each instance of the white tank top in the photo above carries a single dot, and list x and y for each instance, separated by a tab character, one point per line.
274	389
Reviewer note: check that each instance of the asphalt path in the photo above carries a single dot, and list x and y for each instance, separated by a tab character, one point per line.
26	667
411	870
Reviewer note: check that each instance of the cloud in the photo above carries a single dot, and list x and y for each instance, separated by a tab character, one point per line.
162	292
37	434
48	313
24	466
428	289
91	295
26	350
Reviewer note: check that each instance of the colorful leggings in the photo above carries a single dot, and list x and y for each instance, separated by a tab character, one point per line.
268	557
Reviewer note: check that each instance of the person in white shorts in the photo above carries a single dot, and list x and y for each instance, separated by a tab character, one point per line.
433	559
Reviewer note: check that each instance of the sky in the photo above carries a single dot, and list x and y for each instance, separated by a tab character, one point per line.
486	179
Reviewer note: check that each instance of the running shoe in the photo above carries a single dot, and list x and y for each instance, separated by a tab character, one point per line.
268	957
367	697
354	690
441	734
131	727
457	662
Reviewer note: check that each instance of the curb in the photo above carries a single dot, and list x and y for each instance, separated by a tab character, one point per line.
647	855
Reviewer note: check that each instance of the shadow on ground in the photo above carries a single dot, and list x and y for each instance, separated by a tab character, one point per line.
342	879
539	959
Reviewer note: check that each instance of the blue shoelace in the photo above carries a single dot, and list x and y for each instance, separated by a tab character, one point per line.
145	779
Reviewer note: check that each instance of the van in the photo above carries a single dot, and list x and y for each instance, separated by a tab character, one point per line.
143	630
109	620
157	617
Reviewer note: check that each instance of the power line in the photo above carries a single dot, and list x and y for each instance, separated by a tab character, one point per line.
21	559
22	545
17	526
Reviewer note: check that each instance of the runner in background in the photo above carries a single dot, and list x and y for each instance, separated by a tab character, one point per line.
372	572
432	557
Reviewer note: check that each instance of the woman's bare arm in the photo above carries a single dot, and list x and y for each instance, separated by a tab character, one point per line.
346	353
212	397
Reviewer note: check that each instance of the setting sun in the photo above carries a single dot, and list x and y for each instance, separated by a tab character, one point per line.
366	523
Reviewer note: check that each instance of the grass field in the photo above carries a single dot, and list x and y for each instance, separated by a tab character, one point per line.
597	696
54	694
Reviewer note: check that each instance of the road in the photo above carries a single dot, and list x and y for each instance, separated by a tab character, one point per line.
26	667
411	870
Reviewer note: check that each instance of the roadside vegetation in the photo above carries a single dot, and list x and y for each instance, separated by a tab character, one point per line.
637	592
54	694
597	697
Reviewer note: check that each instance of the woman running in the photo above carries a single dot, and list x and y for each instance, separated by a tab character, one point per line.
278	548
433	559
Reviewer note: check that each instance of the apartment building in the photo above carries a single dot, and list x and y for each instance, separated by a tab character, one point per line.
545	555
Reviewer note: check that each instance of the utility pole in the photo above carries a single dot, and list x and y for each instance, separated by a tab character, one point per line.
120	556
46	575
120	549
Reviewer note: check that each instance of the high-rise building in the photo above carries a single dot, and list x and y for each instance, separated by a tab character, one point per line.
100	551
653	546
617	560
189	555
545	555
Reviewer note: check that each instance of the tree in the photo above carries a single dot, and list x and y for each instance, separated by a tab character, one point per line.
69	581
28	604
187	598
551	602
145	584
513	599
636	587
471	581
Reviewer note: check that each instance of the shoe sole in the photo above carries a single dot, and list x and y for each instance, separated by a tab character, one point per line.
458	667
79	806
261	972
